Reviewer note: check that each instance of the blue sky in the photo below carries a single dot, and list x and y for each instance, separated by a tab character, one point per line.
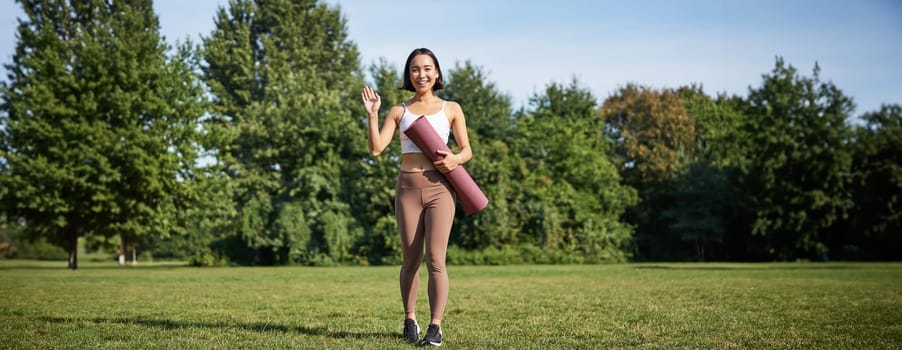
725	45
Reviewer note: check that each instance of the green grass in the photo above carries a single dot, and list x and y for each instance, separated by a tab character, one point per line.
657	306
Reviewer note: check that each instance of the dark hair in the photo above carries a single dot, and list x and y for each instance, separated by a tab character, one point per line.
422	51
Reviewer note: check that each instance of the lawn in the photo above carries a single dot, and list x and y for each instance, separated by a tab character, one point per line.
655	306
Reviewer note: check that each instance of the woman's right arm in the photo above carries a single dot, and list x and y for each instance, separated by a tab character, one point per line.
379	139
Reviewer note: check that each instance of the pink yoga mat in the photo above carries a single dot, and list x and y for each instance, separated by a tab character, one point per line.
424	136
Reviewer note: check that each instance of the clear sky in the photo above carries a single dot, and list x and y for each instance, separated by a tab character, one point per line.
725	45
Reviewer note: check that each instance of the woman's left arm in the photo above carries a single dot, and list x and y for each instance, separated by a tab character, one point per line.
459	127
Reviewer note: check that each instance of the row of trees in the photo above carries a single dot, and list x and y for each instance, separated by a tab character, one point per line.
250	148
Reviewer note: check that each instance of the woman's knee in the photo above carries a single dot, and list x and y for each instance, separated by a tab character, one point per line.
435	264
411	263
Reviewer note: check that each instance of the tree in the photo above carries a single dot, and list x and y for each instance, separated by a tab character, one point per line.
572	199
716	126
98	125
653	135
873	229
282	74
796	142
699	206
654	141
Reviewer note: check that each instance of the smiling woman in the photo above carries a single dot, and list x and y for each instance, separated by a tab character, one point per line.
424	203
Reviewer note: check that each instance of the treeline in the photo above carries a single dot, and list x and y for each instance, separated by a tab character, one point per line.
248	147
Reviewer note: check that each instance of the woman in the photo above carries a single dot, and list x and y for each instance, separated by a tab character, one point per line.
424	204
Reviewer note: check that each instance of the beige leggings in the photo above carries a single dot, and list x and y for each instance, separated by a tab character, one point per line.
424	208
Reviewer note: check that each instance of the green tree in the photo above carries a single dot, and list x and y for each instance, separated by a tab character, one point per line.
283	74
796	143
99	123
572	199
716	126
873	229
701	204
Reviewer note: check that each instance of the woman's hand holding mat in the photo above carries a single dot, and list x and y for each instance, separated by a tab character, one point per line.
430	143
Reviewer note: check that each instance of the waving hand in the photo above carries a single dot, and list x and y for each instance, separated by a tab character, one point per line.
371	101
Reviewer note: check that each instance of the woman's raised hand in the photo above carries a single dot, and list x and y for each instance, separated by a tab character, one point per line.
371	101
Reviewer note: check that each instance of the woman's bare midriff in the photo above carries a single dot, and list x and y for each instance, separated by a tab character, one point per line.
416	162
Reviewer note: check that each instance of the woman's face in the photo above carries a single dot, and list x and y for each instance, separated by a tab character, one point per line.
422	73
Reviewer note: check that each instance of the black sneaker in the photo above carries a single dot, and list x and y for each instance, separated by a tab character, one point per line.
433	336
411	330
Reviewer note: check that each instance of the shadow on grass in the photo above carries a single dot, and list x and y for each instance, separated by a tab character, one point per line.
254	327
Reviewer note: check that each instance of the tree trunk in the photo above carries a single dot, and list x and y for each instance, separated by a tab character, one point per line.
122	250
134	256
73	250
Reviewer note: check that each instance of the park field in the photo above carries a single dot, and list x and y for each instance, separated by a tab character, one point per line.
630	306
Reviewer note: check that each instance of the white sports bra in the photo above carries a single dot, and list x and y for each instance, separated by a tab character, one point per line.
439	122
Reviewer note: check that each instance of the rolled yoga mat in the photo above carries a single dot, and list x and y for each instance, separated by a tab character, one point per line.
468	193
